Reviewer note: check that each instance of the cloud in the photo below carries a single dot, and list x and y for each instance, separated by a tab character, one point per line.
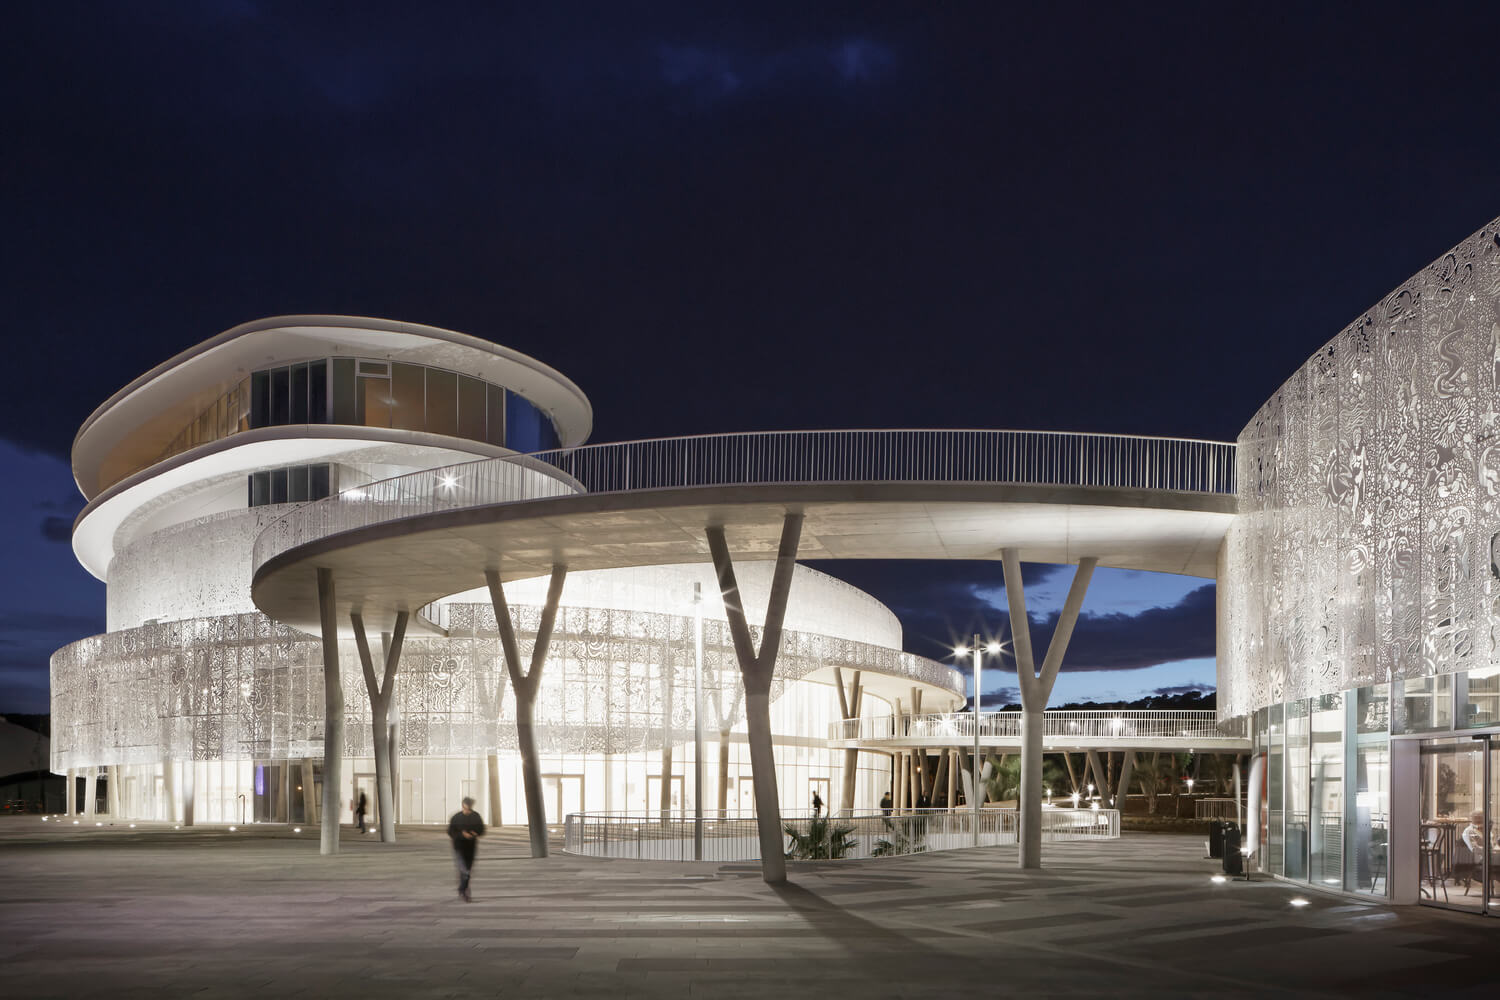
713	73
940	603
1176	689
57	529
1114	641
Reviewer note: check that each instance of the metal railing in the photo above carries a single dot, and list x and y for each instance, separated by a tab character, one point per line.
1043	458
1216	809
864	833
1101	726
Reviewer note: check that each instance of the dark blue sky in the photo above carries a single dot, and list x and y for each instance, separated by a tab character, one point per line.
713	218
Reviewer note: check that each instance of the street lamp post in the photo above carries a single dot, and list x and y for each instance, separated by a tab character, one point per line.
697	722
978	649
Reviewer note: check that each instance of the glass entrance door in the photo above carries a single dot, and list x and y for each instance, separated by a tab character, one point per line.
1456	837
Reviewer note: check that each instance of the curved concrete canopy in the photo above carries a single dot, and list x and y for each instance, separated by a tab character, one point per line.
96	528
406	563
144	416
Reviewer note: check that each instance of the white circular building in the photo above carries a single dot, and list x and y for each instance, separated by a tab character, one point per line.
200	706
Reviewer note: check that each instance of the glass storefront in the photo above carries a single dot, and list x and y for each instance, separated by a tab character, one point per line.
1327	790
1328	793
1456	840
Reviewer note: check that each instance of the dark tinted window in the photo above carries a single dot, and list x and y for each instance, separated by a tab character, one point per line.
317	482
344	409
442	402
296	484
526	428
494	419
278	486
470	408
260	399
260	489
280	396
299	395
408	392
317	392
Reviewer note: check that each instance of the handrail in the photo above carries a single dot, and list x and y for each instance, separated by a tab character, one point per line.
997	457
866	833
1153	724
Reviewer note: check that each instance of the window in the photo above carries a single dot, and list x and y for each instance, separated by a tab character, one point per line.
442	402
294	484
471	415
408	399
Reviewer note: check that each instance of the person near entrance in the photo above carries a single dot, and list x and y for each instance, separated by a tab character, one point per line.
465	829
817	804
359	812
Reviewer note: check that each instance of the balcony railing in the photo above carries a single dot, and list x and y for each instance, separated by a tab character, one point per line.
871	832
1084	726
1038	458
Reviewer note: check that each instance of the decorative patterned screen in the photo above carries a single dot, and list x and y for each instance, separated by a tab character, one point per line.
1368	542
241	687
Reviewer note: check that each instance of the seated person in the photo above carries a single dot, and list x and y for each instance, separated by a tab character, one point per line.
1473	835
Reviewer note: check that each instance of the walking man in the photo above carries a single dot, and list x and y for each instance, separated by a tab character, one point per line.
465	829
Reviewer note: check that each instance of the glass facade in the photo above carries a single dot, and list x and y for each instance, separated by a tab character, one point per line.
295	484
1327	790
367	393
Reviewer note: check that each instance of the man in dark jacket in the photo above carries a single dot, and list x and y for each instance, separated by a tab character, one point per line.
465	829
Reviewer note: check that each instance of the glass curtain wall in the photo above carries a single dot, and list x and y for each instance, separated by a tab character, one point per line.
1452	836
1367	804
1275	801
1297	790
1326	799
366	393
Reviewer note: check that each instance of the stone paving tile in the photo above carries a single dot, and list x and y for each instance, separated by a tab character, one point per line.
99	912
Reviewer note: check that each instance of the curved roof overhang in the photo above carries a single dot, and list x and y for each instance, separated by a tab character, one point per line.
133	426
96	528
409	562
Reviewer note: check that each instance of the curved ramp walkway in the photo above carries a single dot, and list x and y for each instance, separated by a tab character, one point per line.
1175	731
1159	504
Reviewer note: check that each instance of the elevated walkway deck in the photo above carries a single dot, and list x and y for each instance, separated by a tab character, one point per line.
1174	731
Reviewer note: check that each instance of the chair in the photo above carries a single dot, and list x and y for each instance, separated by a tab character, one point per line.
1435	864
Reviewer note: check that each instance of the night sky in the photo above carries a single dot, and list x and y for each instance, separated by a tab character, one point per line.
1123	218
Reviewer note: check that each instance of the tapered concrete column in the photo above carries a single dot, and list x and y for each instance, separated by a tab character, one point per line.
72	792
1096	768
526	686
333	714
380	692
1036	688
849	709
756	670
952	799
1127	766
91	793
903	780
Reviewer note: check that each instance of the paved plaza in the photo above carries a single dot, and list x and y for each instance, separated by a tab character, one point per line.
114	912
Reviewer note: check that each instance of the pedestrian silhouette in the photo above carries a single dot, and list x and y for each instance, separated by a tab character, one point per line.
465	829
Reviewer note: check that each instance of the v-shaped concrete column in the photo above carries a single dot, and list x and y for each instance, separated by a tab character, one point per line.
525	686
333	714
380	704
849	705
1036	688
756	670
